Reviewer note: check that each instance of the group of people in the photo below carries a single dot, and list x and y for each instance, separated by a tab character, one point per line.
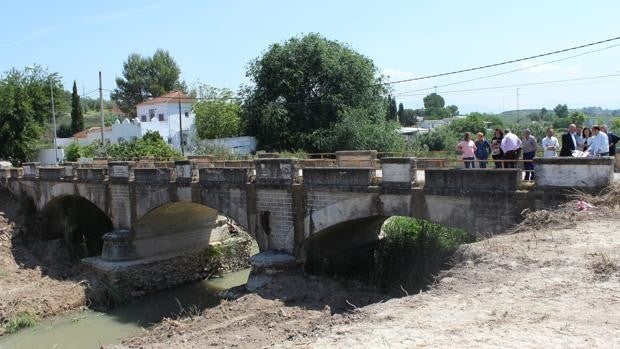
505	147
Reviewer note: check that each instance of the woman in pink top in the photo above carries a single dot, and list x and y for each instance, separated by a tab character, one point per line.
467	148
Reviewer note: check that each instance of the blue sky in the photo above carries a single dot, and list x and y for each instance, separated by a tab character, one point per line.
212	41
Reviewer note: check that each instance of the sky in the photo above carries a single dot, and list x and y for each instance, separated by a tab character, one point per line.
213	41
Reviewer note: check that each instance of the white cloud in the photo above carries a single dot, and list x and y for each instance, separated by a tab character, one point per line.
395	74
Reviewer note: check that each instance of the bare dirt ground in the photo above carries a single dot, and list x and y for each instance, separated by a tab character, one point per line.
38	279
554	282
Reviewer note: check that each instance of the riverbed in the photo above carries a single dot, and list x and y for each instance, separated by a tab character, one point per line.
90	329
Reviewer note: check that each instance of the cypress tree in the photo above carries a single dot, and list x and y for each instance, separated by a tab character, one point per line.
77	118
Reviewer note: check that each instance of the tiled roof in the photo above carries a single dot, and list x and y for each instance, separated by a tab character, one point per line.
171	97
84	133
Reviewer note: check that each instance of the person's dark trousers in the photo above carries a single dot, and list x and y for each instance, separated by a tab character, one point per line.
498	163
510	155
469	162
482	164
529	165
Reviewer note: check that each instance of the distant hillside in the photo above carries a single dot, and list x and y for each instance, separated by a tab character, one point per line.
590	111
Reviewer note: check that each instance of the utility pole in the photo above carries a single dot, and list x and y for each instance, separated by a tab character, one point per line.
518	114
54	118
180	127
101	108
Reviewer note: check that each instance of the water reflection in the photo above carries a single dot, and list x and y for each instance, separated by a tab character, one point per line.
90	329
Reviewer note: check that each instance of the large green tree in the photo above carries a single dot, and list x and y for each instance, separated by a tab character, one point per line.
25	109
434	107
218	115
561	111
77	118
146	77
303	87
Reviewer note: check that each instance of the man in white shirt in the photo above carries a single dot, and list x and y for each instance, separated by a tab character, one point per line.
510	146
550	145
600	144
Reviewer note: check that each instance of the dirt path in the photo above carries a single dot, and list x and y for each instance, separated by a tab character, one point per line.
550	287
42	283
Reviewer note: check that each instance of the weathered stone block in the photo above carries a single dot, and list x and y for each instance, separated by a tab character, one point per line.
424	163
468	180
152	175
184	172
339	178
118	171
398	172
215	176
31	169
51	174
569	172
356	158
91	175
16	172
118	246
275	171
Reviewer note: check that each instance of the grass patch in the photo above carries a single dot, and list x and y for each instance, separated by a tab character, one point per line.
413	251
19	321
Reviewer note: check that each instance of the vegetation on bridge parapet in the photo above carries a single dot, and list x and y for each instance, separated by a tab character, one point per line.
151	144
412	251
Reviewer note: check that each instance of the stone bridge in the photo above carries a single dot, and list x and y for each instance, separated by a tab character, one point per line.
170	207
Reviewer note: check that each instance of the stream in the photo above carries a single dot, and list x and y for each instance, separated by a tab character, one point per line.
90	329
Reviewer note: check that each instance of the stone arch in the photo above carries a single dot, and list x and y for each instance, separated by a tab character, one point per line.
179	226
78	221
341	211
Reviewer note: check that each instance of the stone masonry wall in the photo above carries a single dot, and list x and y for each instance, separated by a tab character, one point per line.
276	218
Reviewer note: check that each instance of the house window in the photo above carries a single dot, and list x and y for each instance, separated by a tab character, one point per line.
161	117
143	118
169	140
151	113
187	114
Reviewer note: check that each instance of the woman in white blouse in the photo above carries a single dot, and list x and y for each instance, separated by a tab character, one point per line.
550	144
586	139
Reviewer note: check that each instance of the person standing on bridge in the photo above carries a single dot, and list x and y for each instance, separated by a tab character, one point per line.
550	145
496	149
613	139
467	148
483	149
569	142
511	144
600	143
529	151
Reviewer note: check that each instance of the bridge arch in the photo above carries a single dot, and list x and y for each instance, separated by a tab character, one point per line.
76	220
174	227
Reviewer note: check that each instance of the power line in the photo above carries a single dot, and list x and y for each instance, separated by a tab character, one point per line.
500	63
506	72
520	85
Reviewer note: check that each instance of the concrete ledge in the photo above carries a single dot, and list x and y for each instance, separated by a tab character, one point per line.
569	172
16	172
31	169
215	176
356	158
184	172
472	180
118	171
338	177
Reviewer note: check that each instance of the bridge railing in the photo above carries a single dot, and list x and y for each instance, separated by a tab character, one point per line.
384	170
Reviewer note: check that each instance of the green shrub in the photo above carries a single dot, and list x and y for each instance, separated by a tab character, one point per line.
19	321
73	152
412	251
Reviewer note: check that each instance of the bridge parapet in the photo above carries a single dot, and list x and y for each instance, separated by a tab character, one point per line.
120	171
91	175
154	176
275	171
399	172
471	180
341	178
222	176
51	174
569	172
31	170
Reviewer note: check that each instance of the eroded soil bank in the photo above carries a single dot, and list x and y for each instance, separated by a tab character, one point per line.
554	282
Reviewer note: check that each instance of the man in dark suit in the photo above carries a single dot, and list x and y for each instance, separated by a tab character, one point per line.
569	142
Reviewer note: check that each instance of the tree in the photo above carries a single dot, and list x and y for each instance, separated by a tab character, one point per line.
577	118
77	118
218	116
408	118
302	89
146	77
472	123
25	106
453	110
561	111
434	107
401	111
392	111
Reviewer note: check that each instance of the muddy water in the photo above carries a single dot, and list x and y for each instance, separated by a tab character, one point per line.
90	329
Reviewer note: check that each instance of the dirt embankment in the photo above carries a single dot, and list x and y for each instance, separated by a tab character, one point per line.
554	282
35	277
